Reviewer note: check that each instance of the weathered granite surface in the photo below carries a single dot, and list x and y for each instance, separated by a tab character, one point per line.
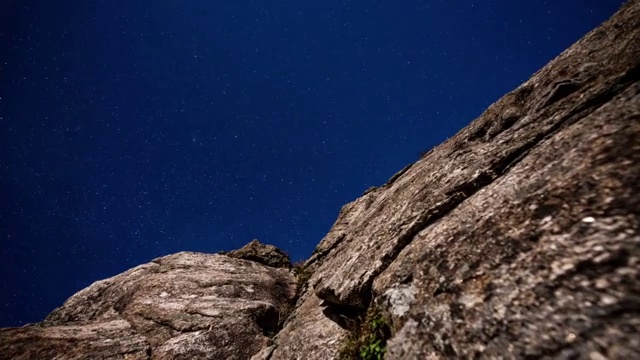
519	237
592	73
182	306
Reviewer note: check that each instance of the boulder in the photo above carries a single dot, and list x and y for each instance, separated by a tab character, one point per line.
182	306
261	253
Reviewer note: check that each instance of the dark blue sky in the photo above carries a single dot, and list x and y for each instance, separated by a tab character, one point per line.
130	130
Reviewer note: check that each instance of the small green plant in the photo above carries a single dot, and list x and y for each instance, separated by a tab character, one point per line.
373	347
373	350
368	339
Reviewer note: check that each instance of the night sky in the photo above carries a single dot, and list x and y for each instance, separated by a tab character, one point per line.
135	129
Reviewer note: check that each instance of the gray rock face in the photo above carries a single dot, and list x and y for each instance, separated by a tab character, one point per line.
517	238
182	306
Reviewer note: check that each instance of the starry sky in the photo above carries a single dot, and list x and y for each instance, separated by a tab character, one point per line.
131	130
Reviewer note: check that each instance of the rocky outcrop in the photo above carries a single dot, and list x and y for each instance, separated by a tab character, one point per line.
519	237
261	253
182	306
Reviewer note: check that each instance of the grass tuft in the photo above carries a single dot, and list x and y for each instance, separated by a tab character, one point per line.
368	340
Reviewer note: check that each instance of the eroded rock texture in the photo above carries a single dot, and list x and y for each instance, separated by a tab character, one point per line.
516	238
182	306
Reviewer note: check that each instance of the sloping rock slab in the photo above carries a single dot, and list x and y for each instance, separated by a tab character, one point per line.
374	229
545	261
519	236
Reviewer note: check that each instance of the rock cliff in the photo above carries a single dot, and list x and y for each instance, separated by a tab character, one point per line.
519	237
